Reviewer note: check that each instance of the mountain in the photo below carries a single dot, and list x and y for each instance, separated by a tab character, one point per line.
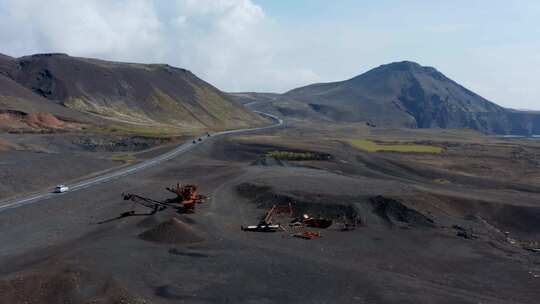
147	94
406	94
251	97
21	109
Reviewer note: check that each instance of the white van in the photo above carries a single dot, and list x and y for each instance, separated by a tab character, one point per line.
61	189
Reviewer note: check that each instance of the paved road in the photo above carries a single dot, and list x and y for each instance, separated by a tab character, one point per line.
9	204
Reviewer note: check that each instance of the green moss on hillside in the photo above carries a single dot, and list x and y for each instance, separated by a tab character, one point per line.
146	131
288	155
126	158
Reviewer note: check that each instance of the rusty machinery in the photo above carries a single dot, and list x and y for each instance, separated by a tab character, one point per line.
277	210
144	201
187	196
297	228
184	202
267	223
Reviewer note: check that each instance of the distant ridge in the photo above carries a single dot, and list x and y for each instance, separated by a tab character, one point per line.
406	94
143	94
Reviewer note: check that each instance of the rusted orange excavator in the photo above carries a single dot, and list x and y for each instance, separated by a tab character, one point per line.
185	200
187	196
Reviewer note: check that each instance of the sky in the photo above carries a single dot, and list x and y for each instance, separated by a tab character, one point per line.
492	47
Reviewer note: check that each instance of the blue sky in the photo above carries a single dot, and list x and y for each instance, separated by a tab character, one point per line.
491	47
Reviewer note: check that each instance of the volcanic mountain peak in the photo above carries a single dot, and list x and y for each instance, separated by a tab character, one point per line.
406	94
400	69
402	66
410	67
45	55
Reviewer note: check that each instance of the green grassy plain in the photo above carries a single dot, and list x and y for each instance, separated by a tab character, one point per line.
127	158
371	146
142	130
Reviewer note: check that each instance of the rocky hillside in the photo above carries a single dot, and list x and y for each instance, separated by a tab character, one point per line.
405	94
142	94
252	97
14	96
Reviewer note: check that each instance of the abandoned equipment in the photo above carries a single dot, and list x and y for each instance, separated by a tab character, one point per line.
185	200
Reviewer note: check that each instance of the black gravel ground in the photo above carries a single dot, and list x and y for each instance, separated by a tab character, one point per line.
59	240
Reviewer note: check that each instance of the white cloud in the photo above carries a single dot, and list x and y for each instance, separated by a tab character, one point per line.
229	43
98	28
237	46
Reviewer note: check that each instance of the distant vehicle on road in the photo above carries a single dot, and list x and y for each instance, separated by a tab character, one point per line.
200	139
194	142
207	134
61	189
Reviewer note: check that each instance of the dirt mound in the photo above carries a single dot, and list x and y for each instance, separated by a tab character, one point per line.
314	204
521	220
149	221
14	119
6	145
22	121
392	210
270	161
64	286
172	231
43	120
252	191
